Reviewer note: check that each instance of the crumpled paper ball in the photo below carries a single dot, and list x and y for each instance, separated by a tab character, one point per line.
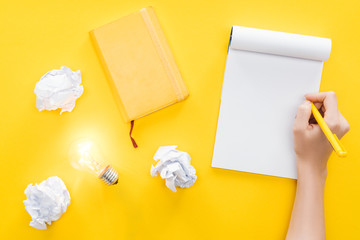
46	201
58	89
174	166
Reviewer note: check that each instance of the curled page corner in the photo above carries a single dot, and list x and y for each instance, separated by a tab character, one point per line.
280	43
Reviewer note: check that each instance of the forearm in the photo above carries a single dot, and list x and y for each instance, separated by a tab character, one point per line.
307	219
312	150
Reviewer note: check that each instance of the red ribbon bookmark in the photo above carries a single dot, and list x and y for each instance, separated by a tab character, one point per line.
132	139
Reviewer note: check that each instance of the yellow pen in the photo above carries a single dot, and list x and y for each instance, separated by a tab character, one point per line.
333	139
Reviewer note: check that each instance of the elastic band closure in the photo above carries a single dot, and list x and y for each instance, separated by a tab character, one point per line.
161	52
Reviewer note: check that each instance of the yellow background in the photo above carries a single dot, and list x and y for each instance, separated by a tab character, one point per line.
37	36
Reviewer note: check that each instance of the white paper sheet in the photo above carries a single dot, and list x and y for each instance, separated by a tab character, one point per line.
58	88
46	202
280	43
267	74
174	166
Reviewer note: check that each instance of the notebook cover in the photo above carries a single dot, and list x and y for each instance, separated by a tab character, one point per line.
139	65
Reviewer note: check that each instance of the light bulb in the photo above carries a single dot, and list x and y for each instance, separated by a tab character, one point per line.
84	155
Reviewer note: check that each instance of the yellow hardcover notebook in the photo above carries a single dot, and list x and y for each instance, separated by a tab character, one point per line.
139	65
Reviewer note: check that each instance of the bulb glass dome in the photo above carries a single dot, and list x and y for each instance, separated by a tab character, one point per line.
84	155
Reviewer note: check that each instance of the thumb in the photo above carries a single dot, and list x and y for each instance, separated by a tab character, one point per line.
303	116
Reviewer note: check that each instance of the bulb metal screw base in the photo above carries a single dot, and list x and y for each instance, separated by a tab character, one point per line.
110	176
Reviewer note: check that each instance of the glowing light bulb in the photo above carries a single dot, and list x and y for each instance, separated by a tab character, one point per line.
84	155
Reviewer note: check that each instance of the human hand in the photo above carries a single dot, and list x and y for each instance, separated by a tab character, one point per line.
311	146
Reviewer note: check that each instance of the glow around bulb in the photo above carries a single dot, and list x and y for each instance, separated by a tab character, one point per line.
84	155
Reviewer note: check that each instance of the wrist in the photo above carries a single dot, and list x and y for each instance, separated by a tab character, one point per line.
311	171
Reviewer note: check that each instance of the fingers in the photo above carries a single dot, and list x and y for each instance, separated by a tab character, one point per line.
333	118
329	101
331	113
319	106
302	116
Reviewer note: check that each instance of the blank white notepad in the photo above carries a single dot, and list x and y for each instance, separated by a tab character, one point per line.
267	74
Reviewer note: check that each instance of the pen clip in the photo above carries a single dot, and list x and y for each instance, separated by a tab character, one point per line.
340	152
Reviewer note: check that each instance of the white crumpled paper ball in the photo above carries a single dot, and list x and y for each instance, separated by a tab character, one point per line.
46	201
174	166
58	89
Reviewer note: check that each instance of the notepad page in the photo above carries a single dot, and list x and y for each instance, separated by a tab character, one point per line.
260	96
